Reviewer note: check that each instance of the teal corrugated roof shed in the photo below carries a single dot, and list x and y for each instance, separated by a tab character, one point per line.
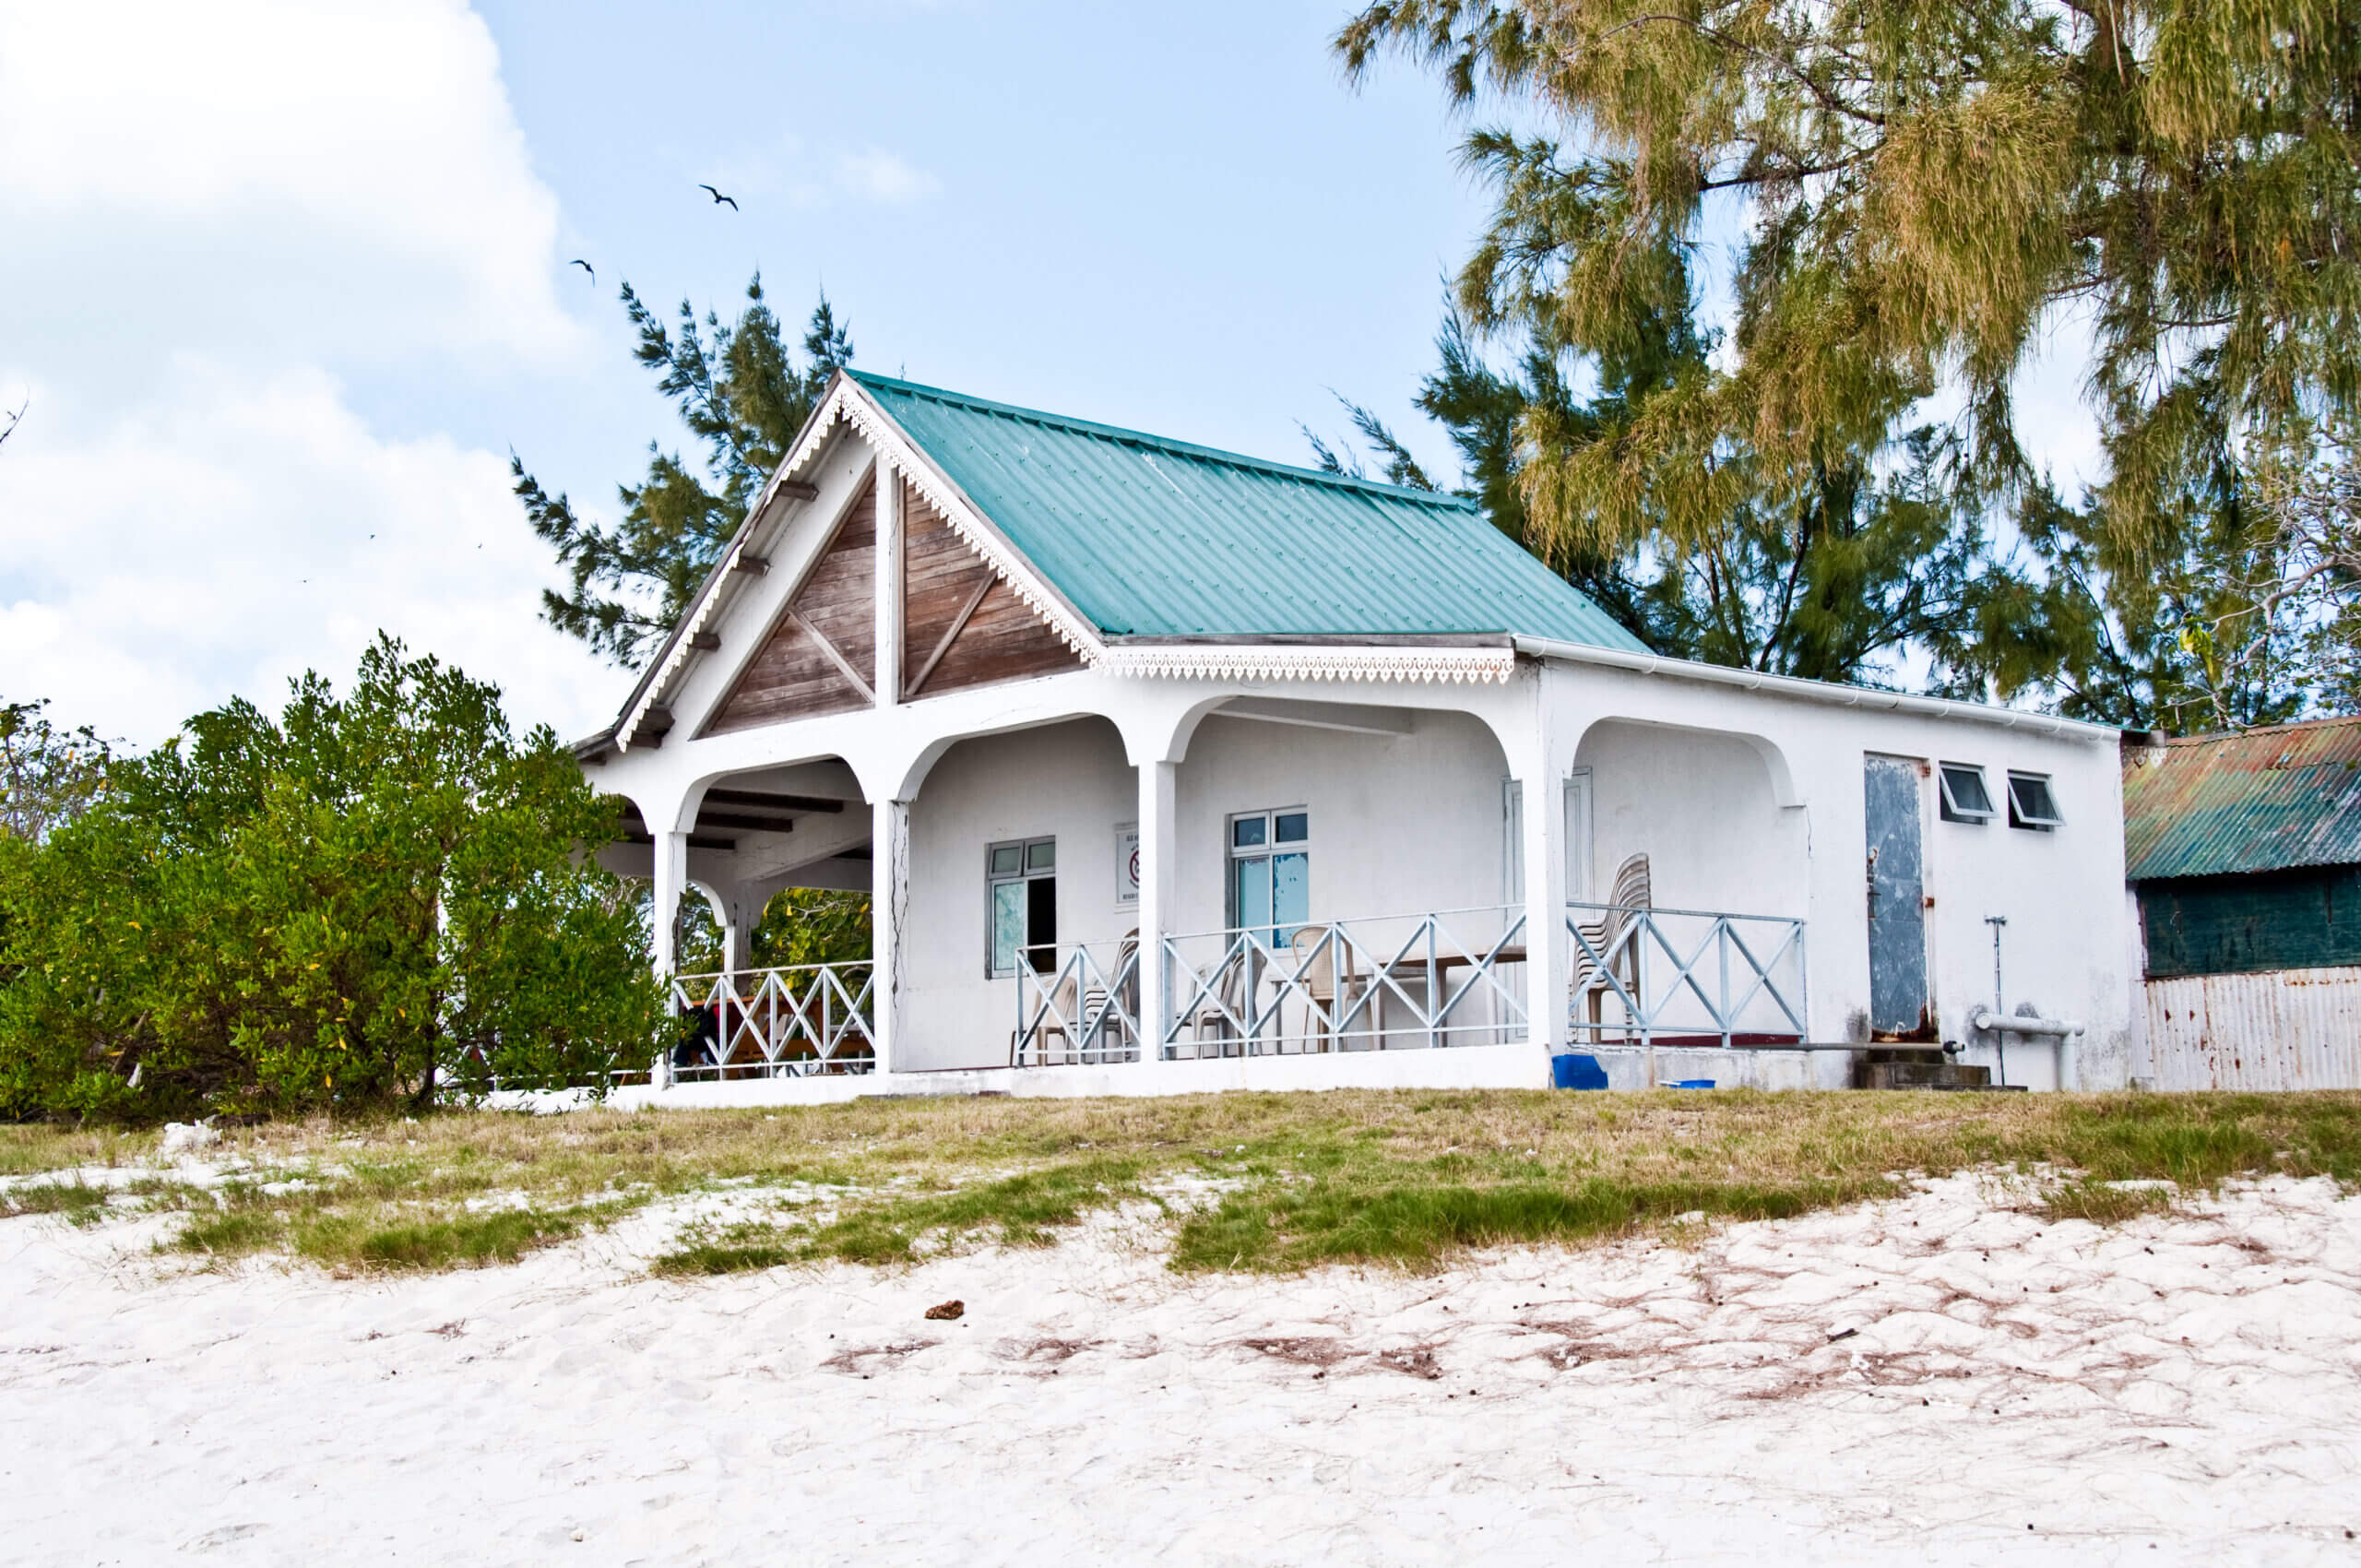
2256	800
1151	537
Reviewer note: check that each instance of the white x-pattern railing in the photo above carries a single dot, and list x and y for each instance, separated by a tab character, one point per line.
794	1022
1691	974
1382	982
1076	1003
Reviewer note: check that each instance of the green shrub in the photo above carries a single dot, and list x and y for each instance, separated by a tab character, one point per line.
341	909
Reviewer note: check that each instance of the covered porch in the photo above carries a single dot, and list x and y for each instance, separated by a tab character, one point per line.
1292	881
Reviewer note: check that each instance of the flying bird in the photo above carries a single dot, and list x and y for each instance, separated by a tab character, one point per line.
587	267
718	199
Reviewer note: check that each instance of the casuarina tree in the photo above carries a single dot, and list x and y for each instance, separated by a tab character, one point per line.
744	394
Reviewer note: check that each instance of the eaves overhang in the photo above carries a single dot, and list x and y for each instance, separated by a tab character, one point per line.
1827	693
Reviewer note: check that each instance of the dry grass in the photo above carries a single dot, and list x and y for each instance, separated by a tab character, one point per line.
1405	1177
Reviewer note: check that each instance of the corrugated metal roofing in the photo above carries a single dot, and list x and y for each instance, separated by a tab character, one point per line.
2258	799
1148	537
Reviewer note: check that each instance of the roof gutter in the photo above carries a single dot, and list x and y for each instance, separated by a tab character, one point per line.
1823	691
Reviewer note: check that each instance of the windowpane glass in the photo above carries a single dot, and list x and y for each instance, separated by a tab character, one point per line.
2031	799
1042	856
1004	860
1290	893
1251	892
1247	831
1967	792
1008	924
1294	827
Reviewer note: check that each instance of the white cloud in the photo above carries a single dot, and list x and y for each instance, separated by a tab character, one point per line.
230	531
880	176
222	218
358	161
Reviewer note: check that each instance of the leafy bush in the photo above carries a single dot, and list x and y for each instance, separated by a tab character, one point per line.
347	907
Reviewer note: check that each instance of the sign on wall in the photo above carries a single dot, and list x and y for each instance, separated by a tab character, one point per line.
1127	862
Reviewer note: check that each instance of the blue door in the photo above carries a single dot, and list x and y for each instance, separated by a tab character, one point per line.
1898	998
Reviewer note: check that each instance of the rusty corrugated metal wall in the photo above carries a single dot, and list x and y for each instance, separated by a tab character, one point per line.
2282	1029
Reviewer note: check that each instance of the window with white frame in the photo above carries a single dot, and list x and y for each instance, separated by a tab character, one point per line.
1578	839
1021	892
2031	805
1964	798
1270	873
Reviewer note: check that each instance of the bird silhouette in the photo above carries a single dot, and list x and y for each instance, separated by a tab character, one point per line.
718	197
587	267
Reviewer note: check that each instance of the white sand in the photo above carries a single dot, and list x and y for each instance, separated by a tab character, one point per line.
2184	1390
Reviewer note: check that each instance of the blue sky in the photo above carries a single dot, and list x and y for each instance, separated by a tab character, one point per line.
286	282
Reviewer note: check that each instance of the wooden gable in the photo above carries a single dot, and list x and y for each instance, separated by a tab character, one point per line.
961	625
820	654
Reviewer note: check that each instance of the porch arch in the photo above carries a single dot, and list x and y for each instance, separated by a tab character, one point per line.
1711	809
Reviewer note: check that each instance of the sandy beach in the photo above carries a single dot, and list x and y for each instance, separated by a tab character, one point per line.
1942	1378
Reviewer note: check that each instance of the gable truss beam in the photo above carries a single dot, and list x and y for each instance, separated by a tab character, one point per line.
949	633
844	665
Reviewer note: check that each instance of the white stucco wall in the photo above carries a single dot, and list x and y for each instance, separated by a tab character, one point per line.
1067	781
1400	823
2065	947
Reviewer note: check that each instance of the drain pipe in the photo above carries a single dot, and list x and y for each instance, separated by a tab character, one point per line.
2062	1030
1999	1042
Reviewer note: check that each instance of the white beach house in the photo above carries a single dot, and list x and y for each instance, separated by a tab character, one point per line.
1172	770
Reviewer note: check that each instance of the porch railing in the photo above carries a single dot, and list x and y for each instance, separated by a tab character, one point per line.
1076	1003
1650	977
783	1023
1383	982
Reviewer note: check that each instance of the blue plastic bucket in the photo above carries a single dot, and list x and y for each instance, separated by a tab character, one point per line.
1576	1071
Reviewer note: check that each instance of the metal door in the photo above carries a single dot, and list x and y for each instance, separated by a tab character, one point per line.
1897	900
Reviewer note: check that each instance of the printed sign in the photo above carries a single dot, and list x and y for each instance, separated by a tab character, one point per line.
1127	862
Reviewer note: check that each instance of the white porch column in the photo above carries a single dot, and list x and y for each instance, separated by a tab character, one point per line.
1548	967
741	911
671	855
889	585
1157	854
889	851
670	860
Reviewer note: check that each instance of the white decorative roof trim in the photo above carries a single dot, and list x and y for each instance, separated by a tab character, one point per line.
1268	662
678	654
852	406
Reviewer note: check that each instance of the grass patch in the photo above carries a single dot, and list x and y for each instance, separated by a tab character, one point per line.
1024	1211
1421	1226
1407	1178
29	1149
468	1241
2105	1202
750	1255
1017	1211
76	1200
234	1234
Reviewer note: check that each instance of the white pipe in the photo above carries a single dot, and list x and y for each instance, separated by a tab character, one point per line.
1985	1018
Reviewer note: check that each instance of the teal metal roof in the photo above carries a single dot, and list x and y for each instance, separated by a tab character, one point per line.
1151	537
2255	800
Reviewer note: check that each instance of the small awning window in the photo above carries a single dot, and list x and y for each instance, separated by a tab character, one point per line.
1964	797
2031	804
